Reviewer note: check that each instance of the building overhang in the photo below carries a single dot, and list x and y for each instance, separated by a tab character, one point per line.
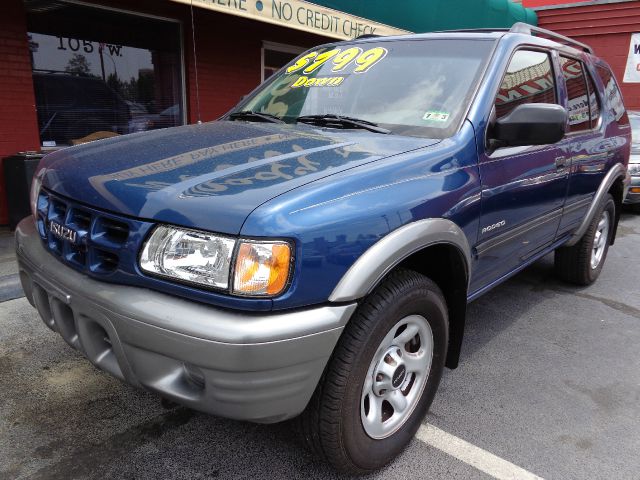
299	15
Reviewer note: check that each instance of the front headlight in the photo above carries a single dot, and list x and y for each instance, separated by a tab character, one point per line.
188	255
634	169
262	268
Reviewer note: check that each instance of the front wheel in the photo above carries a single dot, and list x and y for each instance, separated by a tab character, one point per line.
382	377
582	263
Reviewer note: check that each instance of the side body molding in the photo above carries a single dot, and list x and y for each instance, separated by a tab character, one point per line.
617	171
380	259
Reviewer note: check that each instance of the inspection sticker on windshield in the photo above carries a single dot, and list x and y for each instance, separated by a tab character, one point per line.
433	116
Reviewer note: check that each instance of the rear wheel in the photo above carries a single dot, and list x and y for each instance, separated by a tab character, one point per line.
382	377
582	263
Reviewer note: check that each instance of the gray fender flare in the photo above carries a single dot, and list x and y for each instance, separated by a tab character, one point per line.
617	171
388	252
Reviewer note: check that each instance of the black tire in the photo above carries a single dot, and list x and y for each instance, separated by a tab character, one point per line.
573	264
331	424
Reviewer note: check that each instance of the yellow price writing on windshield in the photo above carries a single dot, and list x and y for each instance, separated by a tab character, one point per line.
345	57
369	58
341	59
302	62
320	60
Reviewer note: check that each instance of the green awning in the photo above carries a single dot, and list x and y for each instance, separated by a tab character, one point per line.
432	15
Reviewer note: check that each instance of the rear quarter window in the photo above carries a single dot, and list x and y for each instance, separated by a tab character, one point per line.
612	95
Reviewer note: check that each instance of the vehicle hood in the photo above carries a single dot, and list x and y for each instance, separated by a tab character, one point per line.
213	175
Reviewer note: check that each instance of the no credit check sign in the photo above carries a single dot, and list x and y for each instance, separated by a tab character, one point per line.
299	15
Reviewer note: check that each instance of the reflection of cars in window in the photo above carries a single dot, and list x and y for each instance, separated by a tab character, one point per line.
169	117
71	107
633	197
137	109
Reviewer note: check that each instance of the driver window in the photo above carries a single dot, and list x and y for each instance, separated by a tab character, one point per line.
529	79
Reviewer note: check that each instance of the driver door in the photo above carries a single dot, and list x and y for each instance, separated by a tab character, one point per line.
523	188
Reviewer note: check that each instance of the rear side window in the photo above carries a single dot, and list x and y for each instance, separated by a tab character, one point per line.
577	94
529	79
613	97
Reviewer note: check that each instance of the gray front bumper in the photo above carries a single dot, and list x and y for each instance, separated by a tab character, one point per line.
262	368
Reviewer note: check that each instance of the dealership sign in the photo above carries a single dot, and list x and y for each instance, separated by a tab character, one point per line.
299	15
632	72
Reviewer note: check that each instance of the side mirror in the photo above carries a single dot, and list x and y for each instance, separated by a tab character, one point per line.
530	124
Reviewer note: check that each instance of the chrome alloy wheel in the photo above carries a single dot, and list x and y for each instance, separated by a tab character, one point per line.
600	240
397	376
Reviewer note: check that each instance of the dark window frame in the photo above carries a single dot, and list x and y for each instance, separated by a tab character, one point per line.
269	46
183	101
592	83
583	66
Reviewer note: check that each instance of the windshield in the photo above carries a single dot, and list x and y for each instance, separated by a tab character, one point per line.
411	87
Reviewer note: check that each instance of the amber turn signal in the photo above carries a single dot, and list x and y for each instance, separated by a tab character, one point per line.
262	268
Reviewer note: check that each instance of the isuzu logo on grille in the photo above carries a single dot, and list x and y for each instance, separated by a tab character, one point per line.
60	231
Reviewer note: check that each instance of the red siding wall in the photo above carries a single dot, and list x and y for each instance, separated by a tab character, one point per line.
607	29
229	59
18	121
228	51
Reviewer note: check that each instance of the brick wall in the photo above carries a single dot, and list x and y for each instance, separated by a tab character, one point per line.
18	121
607	28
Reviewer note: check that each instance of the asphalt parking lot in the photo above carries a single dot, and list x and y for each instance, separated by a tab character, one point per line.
549	382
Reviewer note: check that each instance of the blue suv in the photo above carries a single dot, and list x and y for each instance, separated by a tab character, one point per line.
312	253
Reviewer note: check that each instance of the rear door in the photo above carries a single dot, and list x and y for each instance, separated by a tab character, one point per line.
592	145
523	188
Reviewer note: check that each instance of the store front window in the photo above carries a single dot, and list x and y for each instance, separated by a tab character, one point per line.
99	73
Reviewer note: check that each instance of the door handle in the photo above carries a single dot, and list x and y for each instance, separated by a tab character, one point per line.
562	163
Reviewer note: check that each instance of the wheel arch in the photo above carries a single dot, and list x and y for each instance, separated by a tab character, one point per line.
614	182
436	248
445	265
617	191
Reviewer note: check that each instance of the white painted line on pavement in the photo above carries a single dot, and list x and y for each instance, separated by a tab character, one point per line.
470	454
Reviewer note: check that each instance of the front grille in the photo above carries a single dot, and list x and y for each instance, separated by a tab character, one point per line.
101	243
106	248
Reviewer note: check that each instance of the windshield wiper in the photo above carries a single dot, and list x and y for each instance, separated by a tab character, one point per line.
250	114
341	121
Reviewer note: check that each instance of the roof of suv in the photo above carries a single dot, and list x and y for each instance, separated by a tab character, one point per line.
541	36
